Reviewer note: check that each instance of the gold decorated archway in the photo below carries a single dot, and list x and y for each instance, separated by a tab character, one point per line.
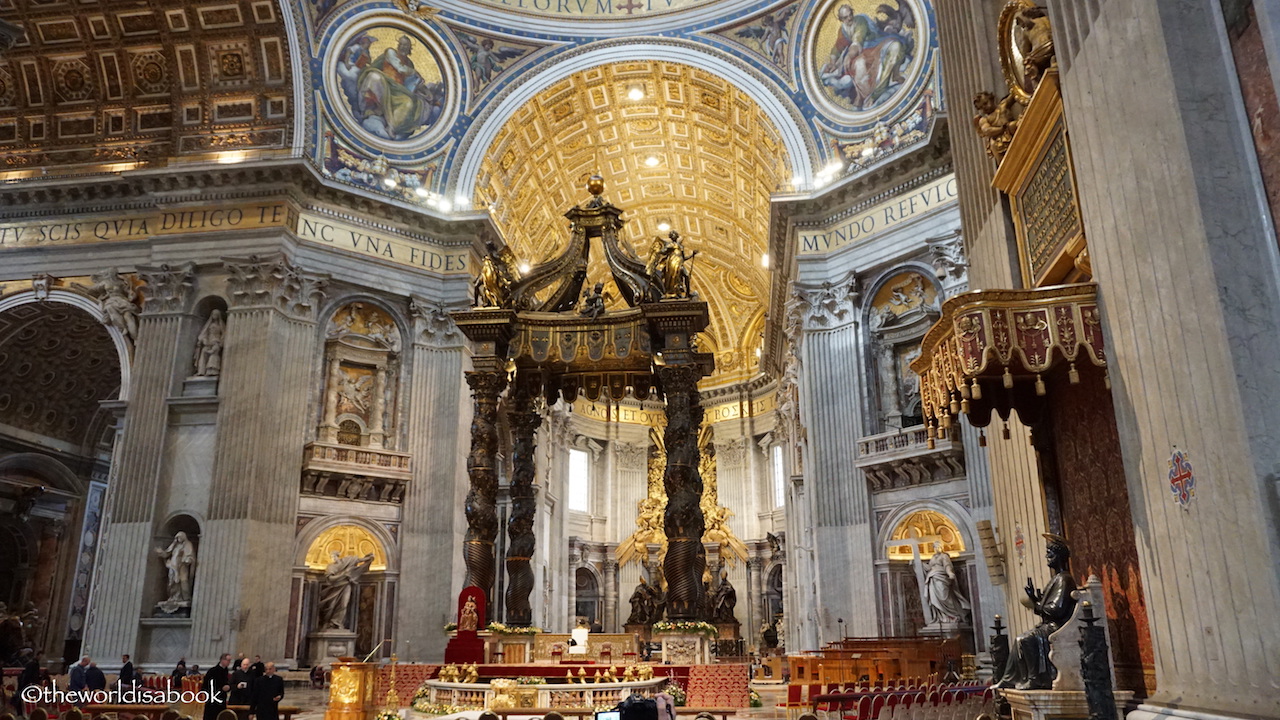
926	524
677	146
345	540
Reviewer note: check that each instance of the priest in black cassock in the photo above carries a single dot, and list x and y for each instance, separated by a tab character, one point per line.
241	684
267	691
217	683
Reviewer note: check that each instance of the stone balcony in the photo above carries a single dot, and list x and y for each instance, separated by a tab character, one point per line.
903	459
355	473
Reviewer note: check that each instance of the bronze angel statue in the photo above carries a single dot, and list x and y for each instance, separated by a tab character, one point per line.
669	266
498	273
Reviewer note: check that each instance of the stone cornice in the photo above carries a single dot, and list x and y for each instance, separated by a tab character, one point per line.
788	213
294	179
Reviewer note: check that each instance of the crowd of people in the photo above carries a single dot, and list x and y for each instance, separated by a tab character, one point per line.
248	683
252	684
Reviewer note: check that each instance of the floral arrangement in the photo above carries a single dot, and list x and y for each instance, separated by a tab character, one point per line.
675	690
686	626
387	715
531	680
755	699
422	693
499	628
450	626
431	708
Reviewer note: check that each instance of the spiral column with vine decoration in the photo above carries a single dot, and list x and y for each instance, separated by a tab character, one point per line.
524	422
481	507
684	523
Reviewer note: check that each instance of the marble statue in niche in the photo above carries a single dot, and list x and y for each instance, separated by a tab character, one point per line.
180	564
340	579
208	360
942	591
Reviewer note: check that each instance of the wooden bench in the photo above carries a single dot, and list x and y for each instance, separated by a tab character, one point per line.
724	713
244	711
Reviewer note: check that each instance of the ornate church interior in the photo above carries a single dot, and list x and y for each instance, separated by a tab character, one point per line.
533	358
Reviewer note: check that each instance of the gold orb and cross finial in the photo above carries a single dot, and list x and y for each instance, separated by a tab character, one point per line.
595	185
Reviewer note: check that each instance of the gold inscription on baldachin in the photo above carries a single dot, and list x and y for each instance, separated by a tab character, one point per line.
1048	210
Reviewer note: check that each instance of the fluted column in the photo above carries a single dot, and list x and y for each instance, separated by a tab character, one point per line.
686	558
481	508
755	595
610	569
262	426
839	500
112	625
429	520
524	422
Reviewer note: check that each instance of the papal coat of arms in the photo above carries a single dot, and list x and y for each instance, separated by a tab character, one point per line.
1182	481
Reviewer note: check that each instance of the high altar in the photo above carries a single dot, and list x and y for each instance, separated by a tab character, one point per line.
538	336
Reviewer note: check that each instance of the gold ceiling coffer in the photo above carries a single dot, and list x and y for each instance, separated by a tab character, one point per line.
535	331
991	349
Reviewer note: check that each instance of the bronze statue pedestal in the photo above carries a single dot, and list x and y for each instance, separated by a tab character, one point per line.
639	631
729	630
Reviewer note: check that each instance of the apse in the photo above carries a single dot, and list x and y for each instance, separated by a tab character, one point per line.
680	149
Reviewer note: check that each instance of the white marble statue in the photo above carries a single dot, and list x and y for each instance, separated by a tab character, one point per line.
180	561
945	602
118	300
209	346
337	587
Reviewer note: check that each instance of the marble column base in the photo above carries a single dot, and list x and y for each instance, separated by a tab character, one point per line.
1057	704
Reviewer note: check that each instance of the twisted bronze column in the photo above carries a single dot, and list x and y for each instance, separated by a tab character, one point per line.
481	509
686	558
524	422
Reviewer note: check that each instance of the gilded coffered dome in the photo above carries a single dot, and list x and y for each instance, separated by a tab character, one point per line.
120	85
680	149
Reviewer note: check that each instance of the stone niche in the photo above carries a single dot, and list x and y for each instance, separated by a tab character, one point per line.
354	455
903	309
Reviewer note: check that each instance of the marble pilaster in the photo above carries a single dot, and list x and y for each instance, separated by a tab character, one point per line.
125	550
427	535
836	491
270	347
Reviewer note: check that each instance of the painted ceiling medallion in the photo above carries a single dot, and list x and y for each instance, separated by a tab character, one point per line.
389	85
866	56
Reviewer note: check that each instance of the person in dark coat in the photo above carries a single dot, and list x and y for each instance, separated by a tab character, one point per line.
217	683
77	674
126	676
179	672
241	684
257	669
29	676
267	691
94	679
